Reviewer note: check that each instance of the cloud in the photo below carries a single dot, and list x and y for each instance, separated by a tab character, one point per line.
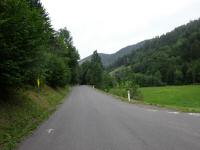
108	25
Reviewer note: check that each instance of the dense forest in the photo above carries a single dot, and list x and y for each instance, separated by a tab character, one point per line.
93	73
31	50
170	59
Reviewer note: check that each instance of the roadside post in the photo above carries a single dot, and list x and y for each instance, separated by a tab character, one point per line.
38	84
129	97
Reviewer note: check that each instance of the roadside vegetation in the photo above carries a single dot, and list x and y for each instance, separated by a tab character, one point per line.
122	90
31	50
24	110
162	71
32	55
184	98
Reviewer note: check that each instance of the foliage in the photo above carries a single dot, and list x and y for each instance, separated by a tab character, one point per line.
126	75
122	90
22	39
170	59
31	49
71	53
91	72
119	92
58	73
108	82
131	87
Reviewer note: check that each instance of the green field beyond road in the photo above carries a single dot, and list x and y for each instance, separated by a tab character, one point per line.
185	98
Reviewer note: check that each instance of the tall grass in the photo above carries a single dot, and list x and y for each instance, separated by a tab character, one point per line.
123	92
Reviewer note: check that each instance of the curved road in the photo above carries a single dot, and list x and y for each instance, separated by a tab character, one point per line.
91	120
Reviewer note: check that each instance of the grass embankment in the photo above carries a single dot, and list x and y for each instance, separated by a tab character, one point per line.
119	92
183	98
21	113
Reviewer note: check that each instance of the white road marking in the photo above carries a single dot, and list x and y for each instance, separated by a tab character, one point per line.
194	114
50	130
173	112
152	110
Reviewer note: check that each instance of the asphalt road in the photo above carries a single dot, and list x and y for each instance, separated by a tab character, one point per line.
91	120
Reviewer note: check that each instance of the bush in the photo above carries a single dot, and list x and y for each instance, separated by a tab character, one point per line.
147	80
108	82
122	90
119	92
58	73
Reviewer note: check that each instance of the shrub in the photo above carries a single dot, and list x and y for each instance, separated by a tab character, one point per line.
58	73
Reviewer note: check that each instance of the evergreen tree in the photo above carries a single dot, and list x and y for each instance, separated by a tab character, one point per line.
92	72
22	43
31	49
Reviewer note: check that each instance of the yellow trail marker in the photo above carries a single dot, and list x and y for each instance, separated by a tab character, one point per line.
38	82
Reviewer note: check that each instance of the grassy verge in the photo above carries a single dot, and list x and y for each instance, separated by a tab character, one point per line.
21	113
118	92
182	98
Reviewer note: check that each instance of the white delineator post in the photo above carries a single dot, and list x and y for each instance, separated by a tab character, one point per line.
129	97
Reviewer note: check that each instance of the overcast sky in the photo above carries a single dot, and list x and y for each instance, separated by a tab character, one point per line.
109	25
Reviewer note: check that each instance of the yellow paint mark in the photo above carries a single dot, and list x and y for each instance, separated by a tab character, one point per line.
38	82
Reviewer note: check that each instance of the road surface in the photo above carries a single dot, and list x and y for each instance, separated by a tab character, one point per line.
92	120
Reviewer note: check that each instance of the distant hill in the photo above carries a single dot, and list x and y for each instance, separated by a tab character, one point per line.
169	59
109	59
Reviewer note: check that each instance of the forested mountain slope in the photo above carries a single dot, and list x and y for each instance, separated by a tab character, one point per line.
109	59
173	58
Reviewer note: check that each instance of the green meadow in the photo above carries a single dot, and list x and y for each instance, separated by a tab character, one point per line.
185	98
